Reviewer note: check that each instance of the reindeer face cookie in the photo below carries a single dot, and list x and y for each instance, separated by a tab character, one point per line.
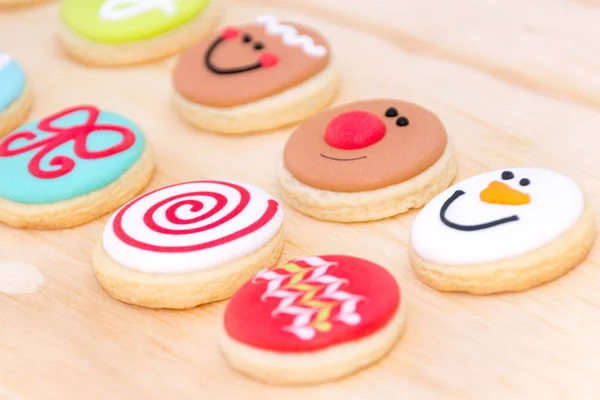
242	66
366	160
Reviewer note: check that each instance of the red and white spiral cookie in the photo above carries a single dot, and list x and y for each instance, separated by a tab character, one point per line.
188	244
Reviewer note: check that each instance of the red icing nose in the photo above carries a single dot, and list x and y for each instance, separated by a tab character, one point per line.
230	33
354	130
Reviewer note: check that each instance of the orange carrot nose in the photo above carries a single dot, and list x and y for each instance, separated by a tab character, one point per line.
501	193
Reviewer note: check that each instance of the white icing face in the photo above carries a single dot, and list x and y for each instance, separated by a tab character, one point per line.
191	226
496	215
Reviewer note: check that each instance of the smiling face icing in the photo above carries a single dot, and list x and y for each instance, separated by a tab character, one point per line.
365	146
497	215
243	64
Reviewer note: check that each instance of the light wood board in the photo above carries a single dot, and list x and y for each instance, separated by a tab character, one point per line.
517	83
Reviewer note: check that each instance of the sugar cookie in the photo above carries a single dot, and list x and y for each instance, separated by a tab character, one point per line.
188	244
312	320
15	97
365	161
501	231
255	77
70	168
121	32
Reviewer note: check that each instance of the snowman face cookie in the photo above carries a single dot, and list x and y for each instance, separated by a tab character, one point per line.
243	64
496	216
365	145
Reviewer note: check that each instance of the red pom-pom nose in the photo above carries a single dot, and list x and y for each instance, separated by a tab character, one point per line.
230	33
268	59
354	130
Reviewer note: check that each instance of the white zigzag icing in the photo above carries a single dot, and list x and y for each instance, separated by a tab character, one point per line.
303	315
4	60
291	37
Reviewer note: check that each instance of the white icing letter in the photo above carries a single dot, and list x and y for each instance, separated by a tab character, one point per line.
114	10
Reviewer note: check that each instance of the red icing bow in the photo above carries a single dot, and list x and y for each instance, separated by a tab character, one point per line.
78	133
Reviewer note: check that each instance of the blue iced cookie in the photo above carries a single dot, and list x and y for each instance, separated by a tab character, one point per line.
70	167
15	100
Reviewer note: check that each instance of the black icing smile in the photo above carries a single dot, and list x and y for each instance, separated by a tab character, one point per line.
225	71
478	227
342	159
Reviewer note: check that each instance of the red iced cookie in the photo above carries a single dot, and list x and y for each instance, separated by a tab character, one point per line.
334	308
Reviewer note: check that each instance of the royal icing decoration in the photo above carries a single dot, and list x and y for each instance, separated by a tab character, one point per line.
12	81
123	21
291	37
242	64
114	10
364	146
68	154
192	226
497	215
303	298
312	303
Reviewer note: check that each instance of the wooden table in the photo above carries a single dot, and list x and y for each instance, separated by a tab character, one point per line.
517	83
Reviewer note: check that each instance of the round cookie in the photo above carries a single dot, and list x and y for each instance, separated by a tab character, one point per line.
505	230
121	32
255	77
188	244
70	168
365	161
312	320
15	96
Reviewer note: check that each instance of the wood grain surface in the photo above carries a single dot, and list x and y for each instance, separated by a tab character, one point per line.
517	83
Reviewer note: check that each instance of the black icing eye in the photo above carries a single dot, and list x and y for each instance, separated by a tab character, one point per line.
391	112
402	121
246	38
524	182
507	175
258	46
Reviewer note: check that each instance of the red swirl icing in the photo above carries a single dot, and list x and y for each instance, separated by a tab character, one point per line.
195	205
309	305
78	134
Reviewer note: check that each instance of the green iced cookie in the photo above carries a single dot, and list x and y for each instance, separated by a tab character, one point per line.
122	21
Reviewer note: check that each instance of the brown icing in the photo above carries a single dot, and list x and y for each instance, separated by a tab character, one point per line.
197	83
402	153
